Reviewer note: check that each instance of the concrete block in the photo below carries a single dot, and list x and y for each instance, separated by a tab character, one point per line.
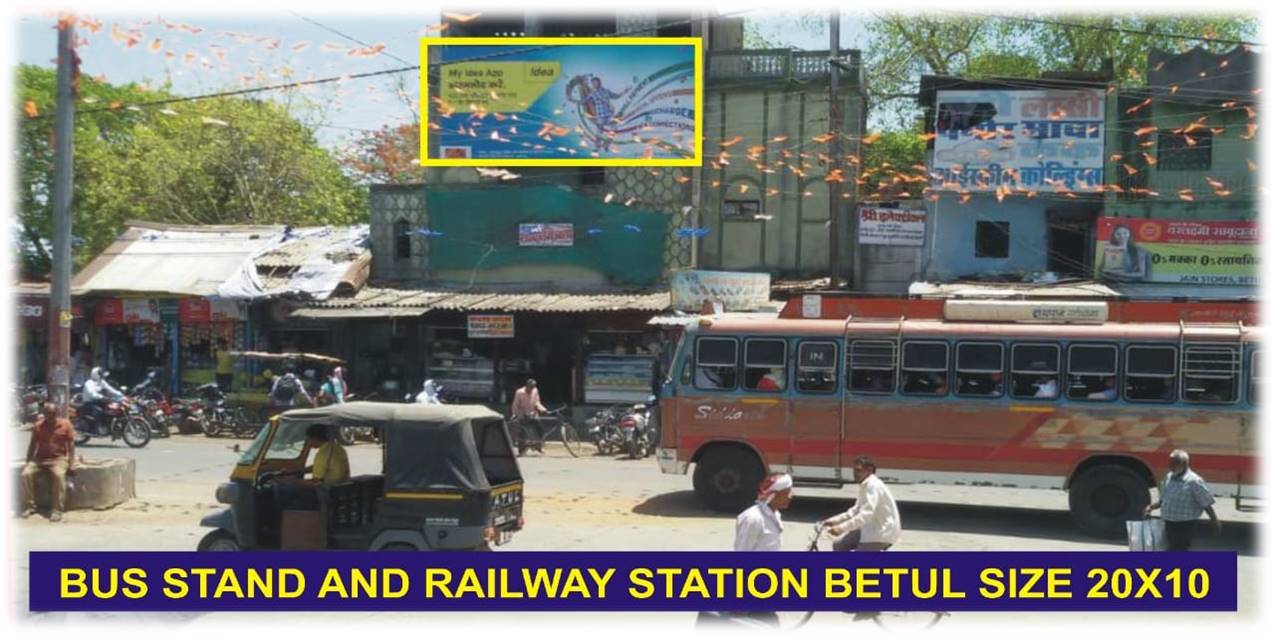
98	484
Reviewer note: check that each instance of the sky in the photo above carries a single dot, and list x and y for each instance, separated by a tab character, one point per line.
262	48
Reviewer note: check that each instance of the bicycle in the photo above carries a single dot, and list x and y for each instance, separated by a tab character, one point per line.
524	435
891	621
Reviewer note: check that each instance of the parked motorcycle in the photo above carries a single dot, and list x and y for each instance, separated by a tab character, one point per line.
153	405
116	419
604	429
188	415
221	419
633	425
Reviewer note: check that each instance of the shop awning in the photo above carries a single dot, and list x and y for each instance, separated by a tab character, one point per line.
358	312
380	299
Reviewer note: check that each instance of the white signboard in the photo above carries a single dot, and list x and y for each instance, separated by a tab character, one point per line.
737	291
811	306
891	226
491	326
1036	141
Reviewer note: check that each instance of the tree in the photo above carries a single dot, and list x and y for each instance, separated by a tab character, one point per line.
386	156
215	161
894	164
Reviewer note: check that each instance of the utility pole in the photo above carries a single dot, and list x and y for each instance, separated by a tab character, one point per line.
835	162
60	298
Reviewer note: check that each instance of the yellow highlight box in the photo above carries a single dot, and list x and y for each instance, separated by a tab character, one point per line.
524	77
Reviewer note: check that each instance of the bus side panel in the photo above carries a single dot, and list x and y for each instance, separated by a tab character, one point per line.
816	436
705	417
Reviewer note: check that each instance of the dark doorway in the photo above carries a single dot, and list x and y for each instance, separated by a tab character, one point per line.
1071	242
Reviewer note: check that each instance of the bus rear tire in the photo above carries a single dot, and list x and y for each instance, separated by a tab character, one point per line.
1104	497
726	478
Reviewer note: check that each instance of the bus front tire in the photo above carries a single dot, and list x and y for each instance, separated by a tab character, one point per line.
726	478
1104	497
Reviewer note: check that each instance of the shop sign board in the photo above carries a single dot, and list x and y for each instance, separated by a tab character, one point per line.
491	326
737	291
546	234
891	226
1183	251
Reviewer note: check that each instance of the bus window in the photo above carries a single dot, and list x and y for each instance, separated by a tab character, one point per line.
980	369
1210	374
764	361
1254	375
715	363
1034	371
925	369
1149	371
872	367
817	367
1091	372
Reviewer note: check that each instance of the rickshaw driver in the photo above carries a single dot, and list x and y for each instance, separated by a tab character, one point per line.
331	466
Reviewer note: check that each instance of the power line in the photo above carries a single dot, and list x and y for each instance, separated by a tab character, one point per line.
348	37
1111	29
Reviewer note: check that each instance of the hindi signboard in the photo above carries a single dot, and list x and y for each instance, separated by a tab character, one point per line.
1033	140
737	291
891	226
1177	251
491	326
546	234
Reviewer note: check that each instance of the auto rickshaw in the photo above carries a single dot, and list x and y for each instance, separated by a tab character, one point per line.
450	481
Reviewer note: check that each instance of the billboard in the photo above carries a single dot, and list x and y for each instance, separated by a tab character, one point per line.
1177	251
546	234
891	226
561	102
1034	141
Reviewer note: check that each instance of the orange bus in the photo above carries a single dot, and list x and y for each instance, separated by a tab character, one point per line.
1084	396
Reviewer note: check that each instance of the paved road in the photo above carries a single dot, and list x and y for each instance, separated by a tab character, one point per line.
601	503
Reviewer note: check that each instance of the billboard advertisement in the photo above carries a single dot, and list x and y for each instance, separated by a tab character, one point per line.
738	291
1177	251
1036	141
561	101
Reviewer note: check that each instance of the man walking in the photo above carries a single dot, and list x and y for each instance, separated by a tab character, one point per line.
52	450
761	528
333	391
1183	496
872	524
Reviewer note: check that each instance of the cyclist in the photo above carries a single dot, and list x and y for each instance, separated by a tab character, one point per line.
872	524
526	408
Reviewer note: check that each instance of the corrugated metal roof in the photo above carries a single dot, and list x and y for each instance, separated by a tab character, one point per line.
315	244
370	297
357	312
185	260
1002	290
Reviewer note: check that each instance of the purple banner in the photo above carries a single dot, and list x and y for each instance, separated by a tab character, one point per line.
631	581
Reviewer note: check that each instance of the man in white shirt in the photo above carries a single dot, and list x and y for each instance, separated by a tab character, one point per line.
760	527
872	524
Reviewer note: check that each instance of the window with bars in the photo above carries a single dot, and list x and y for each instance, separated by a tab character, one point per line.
871	366
1150	372
1091	372
924	369
980	369
716	363
1034	370
1210	374
817	367
1185	151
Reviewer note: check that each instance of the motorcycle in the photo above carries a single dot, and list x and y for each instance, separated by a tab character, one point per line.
116	419
33	399
636	441
153	405
221	419
188	415
604	430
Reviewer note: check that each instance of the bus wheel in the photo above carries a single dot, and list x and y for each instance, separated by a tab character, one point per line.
726	478
1104	497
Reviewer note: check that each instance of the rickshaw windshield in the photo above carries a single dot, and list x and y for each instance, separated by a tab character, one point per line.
288	442
249	455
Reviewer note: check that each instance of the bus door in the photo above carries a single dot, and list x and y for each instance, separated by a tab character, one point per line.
815	412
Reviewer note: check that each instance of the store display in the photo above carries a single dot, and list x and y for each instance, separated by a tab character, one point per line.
611	378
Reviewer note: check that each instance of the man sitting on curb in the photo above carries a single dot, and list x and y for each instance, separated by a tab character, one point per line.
52	450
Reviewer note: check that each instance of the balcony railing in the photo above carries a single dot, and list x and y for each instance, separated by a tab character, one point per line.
778	65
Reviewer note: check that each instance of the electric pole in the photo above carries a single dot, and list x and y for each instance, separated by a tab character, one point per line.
834	149
60	297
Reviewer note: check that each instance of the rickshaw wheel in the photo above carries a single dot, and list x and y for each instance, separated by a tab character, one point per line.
219	540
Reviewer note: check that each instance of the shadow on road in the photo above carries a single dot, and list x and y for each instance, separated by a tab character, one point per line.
943	517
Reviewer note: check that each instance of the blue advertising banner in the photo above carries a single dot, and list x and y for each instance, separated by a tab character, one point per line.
546	101
632	581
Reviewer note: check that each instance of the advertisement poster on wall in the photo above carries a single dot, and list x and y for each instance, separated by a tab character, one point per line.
737	291
546	234
1035	141
563	101
1177	251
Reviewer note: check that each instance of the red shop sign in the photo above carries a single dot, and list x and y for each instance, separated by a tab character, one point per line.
194	311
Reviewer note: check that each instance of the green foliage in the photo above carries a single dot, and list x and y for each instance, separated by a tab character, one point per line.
217	161
894	153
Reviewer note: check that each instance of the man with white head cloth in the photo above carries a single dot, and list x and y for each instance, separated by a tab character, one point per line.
429	393
760	527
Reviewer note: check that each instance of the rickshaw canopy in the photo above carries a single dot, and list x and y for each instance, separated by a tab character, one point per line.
427	447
